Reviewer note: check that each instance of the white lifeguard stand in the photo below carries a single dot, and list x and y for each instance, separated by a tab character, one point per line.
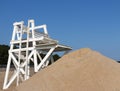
27	44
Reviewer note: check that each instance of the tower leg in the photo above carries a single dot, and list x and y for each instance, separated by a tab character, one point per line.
7	73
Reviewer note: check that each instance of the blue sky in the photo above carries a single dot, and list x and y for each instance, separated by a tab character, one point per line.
78	23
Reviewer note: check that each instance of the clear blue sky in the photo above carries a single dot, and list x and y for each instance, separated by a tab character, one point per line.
77	23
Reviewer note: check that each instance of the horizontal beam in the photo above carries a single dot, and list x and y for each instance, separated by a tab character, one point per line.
37	27
22	49
23	41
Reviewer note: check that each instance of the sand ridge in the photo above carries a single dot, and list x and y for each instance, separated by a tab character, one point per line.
81	70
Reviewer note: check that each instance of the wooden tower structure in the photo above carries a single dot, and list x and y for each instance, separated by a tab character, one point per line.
27	45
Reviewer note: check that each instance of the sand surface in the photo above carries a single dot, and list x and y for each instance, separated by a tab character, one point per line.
2	74
1	79
81	70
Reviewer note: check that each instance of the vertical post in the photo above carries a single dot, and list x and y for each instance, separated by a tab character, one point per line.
27	60
45	29
14	32
34	45
20	46
52	59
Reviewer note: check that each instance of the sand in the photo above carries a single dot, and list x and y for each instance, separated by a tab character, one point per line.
81	70
1	79
2	74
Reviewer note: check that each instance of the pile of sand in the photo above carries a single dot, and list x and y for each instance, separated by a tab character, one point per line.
1	79
82	70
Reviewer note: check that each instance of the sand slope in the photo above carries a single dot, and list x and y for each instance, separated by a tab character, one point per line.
81	70
2	74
